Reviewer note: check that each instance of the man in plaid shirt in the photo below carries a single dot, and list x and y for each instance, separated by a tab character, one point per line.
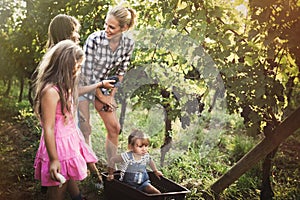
108	54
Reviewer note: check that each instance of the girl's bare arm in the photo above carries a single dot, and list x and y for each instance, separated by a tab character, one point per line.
49	102
89	88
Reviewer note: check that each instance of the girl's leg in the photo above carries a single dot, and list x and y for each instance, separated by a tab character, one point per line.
73	190
151	190
57	193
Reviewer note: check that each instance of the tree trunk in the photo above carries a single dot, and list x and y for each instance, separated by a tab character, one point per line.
30	95
31	87
266	190
260	151
21	88
167	141
123	112
6	93
212	105
168	129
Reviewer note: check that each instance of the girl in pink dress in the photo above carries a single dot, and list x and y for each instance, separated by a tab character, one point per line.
62	151
64	27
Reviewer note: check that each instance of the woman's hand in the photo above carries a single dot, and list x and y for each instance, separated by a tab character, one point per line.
103	101
110	177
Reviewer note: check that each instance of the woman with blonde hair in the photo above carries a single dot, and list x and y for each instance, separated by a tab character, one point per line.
108	54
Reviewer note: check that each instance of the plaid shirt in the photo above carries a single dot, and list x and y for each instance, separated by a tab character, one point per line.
101	62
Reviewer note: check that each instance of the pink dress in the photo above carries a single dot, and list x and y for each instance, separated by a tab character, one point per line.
73	152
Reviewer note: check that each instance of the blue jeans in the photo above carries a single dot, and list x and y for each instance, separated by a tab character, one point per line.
138	180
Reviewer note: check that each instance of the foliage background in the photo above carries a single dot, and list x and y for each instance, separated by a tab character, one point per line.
206	73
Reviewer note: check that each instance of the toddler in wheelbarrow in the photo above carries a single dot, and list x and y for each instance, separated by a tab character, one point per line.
133	181
135	162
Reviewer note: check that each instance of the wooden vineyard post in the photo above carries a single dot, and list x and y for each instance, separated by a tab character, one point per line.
259	152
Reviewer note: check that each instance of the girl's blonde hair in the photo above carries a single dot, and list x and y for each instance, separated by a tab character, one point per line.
61	28
137	134
125	16
57	68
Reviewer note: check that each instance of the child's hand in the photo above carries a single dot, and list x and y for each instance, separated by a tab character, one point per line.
54	168
158	174
110	177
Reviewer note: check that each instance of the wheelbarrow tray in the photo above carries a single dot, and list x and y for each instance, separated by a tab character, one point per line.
117	190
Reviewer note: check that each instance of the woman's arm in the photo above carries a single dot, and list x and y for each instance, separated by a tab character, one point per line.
49	102
126	57
124	63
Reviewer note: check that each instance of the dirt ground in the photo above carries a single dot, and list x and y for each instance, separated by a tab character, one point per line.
18	147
